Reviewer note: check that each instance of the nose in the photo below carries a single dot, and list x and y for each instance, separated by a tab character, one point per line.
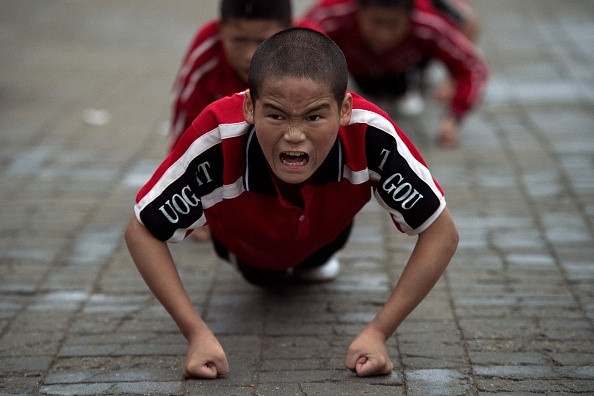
250	48
248	54
294	133
384	39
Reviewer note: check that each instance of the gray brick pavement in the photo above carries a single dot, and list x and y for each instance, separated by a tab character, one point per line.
83	100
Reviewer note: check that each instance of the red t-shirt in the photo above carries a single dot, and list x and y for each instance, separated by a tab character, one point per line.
217	174
432	36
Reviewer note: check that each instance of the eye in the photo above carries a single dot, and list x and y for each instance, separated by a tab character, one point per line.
238	41
276	117
314	118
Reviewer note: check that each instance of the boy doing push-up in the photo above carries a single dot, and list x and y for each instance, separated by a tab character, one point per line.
279	172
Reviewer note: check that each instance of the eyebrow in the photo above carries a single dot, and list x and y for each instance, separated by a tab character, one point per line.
323	106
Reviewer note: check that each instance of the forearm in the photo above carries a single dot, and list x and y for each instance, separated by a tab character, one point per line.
470	81
429	259
155	264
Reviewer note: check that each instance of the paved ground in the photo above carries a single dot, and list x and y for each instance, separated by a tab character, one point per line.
84	96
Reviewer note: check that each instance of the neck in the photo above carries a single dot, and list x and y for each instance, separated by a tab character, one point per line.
289	192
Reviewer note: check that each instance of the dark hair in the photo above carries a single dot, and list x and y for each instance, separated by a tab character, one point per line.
276	10
406	5
299	52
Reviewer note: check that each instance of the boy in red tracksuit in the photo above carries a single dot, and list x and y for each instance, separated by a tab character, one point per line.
383	40
279	172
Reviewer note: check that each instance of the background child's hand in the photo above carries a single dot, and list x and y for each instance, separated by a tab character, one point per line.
205	358
368	355
448	134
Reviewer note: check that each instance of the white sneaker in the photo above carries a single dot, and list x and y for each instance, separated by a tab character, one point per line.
412	103
324	273
435	73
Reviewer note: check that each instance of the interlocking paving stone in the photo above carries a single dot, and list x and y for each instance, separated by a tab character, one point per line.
84	105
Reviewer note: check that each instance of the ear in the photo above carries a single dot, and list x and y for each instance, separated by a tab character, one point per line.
346	109
248	108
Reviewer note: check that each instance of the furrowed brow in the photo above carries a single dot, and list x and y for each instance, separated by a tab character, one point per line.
323	106
270	106
314	109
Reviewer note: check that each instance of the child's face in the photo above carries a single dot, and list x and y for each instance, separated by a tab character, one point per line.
383	27
297	122
240	39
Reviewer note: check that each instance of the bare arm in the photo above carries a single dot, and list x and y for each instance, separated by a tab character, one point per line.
205	357
433	251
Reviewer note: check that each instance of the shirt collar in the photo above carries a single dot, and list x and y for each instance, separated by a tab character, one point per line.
258	176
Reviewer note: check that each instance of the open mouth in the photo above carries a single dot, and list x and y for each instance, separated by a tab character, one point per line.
294	158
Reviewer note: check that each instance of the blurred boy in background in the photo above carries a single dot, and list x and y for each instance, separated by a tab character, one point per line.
384	41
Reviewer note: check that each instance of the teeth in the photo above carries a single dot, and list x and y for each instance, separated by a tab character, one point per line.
290	158
302	162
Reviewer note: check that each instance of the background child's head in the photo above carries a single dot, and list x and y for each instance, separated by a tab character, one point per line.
300	53
246	23
384	23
